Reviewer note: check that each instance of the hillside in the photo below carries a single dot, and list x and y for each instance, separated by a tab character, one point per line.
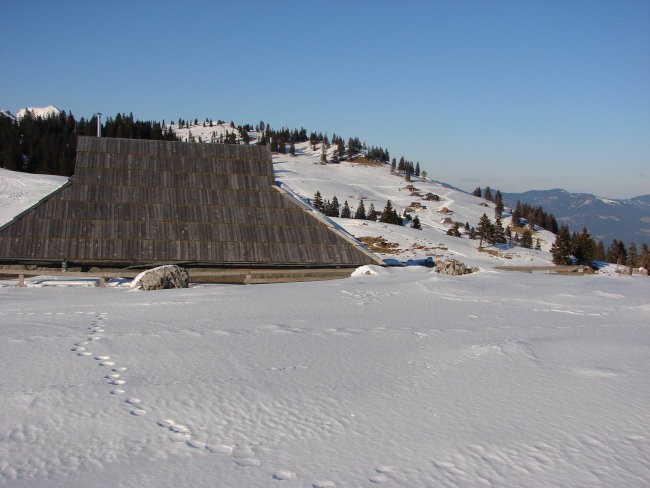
303	175
19	191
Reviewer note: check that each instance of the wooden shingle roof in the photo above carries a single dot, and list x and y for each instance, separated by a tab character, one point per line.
141	202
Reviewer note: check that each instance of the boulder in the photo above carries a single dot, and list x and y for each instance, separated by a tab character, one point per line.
453	267
161	278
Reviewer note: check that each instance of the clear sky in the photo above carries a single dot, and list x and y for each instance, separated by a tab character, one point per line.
517	95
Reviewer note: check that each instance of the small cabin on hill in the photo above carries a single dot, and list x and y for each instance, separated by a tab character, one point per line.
146	203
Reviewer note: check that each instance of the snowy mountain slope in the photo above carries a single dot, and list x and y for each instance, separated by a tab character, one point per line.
19	191
7	113
38	111
351	182
201	133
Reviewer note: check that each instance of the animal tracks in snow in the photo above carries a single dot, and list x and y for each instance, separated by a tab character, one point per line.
242	455
114	377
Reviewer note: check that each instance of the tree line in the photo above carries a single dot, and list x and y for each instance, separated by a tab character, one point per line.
332	208
48	145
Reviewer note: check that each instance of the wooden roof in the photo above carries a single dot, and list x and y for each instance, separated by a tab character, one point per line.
141	202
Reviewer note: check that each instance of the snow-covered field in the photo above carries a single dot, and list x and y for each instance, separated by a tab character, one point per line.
405	378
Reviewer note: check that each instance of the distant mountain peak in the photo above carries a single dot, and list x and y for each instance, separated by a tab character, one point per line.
38	111
7	113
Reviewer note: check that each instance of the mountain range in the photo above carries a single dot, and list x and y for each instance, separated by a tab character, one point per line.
607	219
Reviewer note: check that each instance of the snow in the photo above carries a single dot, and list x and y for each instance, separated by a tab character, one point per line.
19	191
392	377
405	378
42	112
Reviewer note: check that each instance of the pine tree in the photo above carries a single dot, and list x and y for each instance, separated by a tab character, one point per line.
477	192
317	203
600	254
332	208
372	213
485	230
417	169
361	211
389	215
632	256
487	194
561	248
416	223
292	149
526	239
616	252
499	233
498	204
516	215
644	258
584	247
393	165
345	212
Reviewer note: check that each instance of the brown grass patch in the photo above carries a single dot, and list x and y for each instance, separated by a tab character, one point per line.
380	245
520	230
494	252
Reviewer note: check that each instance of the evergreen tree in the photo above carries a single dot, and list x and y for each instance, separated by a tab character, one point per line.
526	239
393	165
600	254
583	247
372	213
361	211
416	223
538	245
499	233
516	215
417	169
389	215
487	194
317	203
477	192
632	256
644	258
332	208
292	149
498	204
485	230
340	146
345	212
616	253
561	248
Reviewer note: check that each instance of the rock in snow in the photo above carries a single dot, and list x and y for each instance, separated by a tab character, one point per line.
453	267
161	278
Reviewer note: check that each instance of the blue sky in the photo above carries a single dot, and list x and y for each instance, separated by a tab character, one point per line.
513	94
